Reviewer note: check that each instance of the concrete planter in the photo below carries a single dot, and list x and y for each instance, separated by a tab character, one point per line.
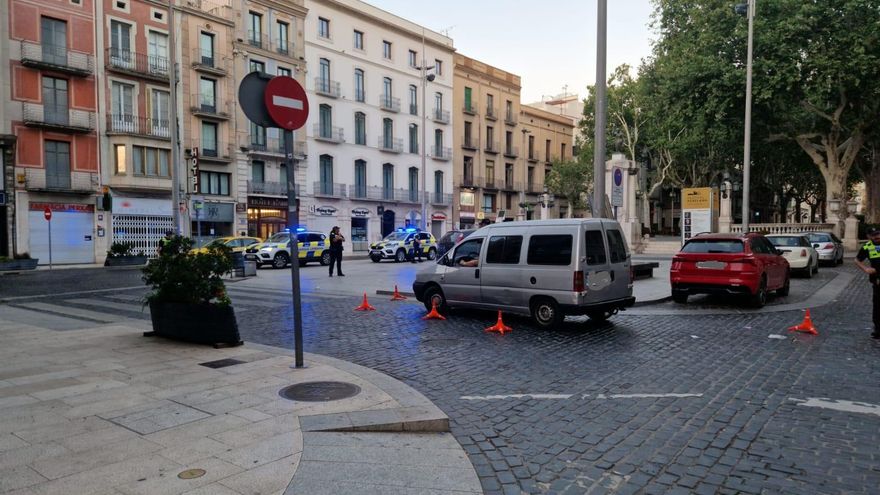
197	323
15	265
125	261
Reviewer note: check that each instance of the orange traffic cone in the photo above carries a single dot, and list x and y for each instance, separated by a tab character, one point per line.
499	326
365	306
806	326
397	296
433	314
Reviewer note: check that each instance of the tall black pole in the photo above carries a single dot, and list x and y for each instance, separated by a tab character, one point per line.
293	223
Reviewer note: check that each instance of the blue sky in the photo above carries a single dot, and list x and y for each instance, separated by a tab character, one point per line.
550	43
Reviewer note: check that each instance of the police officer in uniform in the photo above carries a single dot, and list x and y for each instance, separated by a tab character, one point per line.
336	240
169	235
870	253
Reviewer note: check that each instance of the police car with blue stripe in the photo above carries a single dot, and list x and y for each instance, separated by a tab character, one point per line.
398	245
312	246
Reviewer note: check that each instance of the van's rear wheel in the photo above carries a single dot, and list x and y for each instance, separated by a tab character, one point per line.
546	313
759	299
433	295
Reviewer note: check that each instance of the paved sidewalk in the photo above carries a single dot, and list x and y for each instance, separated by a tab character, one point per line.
107	411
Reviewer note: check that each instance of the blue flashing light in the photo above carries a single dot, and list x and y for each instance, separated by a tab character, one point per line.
300	229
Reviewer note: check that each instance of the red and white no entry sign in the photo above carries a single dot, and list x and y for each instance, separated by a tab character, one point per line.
286	102
47	214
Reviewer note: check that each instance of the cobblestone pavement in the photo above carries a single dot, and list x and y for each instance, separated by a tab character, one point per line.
642	404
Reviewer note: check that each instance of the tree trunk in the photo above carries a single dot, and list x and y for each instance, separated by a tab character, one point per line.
871	201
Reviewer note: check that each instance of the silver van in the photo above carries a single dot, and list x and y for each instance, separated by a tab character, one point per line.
542	268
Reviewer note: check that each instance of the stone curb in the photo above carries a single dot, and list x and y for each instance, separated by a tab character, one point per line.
416	414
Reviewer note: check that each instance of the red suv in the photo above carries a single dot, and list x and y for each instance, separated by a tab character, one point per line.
746	264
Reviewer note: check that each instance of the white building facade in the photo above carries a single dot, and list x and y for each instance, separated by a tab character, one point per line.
367	121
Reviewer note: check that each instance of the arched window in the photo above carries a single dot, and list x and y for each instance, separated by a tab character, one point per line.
413	138
359	89
413	184
360	128
387	181
360	179
325	121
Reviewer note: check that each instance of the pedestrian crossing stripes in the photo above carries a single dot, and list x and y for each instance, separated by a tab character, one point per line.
129	303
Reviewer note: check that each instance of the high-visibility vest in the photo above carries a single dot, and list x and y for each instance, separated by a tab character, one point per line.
873	251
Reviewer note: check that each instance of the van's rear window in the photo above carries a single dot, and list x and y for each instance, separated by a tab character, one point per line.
713	246
550	250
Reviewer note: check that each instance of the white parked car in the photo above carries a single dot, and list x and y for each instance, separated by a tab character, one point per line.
796	248
829	247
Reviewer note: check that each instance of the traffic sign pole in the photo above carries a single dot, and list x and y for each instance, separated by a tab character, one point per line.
293	222
47	214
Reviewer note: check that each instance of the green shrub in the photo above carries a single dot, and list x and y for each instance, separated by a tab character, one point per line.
180	276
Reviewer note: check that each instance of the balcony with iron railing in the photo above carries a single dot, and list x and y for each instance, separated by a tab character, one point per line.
511	151
511	185
57	58
214	152
534	188
491	113
138	64
534	155
328	189
39	179
469	180
208	62
389	103
440	116
364	192
441	198
327	87
390	144
406	195
492	183
327	133
469	108
441	153
269	188
491	147
210	106
510	119
131	125
57	118
470	143
260	145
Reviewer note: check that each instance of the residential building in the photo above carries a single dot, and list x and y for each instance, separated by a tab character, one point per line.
270	40
50	104
135	101
489	167
548	137
367	120
7	145
566	105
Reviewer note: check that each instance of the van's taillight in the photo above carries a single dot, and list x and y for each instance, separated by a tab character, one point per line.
803	253
578	282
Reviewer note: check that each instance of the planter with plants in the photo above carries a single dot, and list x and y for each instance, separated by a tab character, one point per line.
122	254
188	300
18	262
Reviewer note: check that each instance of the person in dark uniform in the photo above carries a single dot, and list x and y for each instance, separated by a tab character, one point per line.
868	260
336	240
416	249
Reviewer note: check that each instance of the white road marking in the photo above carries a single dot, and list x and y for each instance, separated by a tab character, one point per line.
645	396
583	396
777	336
839	405
283	101
516	396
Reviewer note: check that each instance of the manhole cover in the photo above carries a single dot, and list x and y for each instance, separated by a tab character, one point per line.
320	391
191	474
221	363
443	342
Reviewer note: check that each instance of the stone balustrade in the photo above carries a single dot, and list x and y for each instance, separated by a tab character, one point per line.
784	228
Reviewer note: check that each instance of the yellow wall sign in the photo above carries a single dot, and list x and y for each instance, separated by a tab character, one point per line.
697	198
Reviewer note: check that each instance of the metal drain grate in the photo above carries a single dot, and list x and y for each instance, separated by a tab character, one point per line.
221	363
319	391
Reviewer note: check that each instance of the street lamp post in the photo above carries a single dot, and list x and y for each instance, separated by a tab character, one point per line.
601	111
522	192
173	124
747	141
425	78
